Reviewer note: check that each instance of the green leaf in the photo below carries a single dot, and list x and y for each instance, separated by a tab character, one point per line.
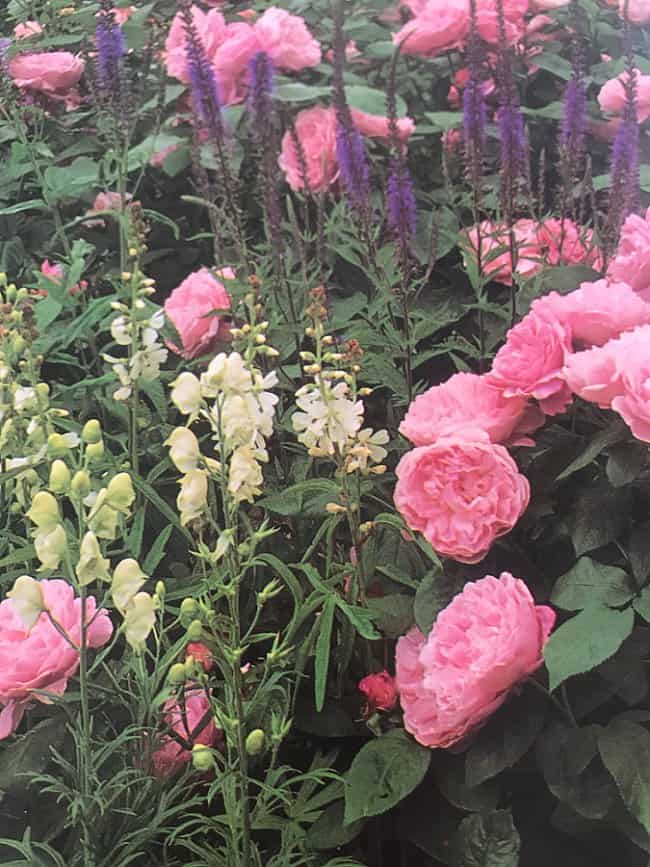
598	518
307	498
329	832
164	508
360	618
642	604
383	773
393	613
323	642
157	551
553	63
370	100
30	754
583	642
434	593
451	780
294	91
625	462
445	120
47	310
625	750
600	441
488	840
591	583
31	205
70	181
638	551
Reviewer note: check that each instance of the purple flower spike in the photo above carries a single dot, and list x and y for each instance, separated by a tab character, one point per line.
111	48
402	209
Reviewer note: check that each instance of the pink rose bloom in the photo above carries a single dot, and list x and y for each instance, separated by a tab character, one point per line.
493	241
158	159
530	362
593	375
54	272
123	13
546	5
41	658
380	691
466	400
632	353
596	312
487	20
231	61
612	95
286	40
376	126
638	11
50	72
566	243
190	308
246	14
201	653
435	29
316	131
488	639
632	261
461	493
172	756
451	140
27	29
212	30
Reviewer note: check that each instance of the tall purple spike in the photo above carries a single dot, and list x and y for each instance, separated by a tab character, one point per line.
111	49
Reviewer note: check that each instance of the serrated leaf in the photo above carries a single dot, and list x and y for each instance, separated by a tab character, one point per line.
583	642
383	773
393	613
591	583
625	750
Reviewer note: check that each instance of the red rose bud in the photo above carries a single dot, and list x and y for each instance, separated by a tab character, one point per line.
201	654
379	690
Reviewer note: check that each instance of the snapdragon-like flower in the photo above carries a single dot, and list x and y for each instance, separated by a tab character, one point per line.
328	417
147	353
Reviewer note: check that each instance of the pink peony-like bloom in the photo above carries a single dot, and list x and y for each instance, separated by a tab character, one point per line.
191	308
122	13
593	375
212	30
316	131
546	5
286	40
172	756
376	126
530	362
611	97
632	261
563	242
380	691
435	29
26	29
632	354
493	242
596	312
487	20
461	493
488	639
41	659
467	400
638	11
51	72
231	61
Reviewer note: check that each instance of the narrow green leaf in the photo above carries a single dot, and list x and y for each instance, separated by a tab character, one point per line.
322	661
157	551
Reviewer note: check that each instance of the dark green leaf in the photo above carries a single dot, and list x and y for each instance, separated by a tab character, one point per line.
583	642
600	441
323	642
598	518
451	780
393	613
625	462
383	773
30	754
434	593
592	583
642	604
639	552
329	832
157	551
489	840
305	498
625	750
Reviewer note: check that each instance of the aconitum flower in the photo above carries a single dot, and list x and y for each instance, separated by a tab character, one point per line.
40	660
486	641
462	493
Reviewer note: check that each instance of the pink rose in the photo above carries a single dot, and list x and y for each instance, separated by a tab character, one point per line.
27	29
461	493
632	354
638	11
376	126
632	261
546	5
488	639
593	375
201	654
171	756
435	29
286	40
493	241
41	658
123	13
563	242
50	72
380	692
212	29
54	272
596	312
530	362
231	61
316	131
191	308
612	95
487	20
465	401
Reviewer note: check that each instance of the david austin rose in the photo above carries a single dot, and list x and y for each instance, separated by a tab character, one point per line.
50	72
612	95
41	658
637	11
191	308
468	400
461	493
593	375
315	129
530	362
489	638
632	261
286	40
380	691
632	355
172	756
435	29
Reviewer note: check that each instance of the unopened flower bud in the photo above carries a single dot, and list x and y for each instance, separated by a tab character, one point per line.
18	343
80	484
189	609
195	630
255	742
57	444
334	509
44	511
43	390
95	451
59	477
160	589
202	758
176	673
120	494
92	431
